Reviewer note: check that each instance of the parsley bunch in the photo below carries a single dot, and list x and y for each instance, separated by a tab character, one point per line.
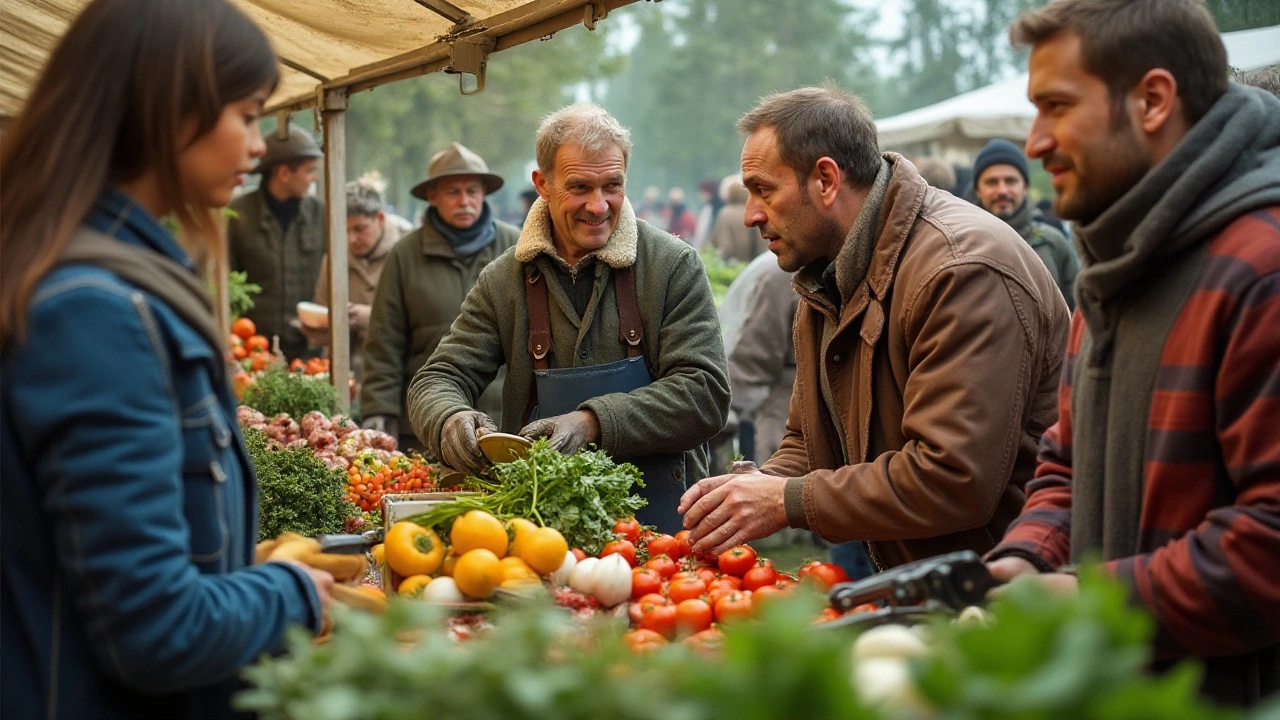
280	391
296	491
580	495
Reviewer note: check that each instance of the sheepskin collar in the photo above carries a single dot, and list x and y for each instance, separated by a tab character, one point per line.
535	238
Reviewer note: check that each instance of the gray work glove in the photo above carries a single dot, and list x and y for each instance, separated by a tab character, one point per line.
458	447
388	424
568	433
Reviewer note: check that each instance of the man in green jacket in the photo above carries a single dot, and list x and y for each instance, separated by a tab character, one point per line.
276	236
1000	180
606	324
426	277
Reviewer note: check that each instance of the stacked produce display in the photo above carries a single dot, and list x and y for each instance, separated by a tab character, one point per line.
533	594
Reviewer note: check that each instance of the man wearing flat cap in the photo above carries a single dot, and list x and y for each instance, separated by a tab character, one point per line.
1000	181
277	236
427	276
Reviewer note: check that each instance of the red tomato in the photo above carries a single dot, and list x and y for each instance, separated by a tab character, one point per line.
693	616
663	565
642	641
688	575
628	530
636	613
664	545
767	594
660	619
578	554
719	589
708	575
652	600
682	590
644	581
682	540
710	640
822	575
733	607
623	548
737	561
758	577
733	580
828	614
865	607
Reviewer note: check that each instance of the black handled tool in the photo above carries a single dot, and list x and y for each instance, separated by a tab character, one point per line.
947	582
350	544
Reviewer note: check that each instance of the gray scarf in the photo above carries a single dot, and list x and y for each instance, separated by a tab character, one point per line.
1142	258
1022	220
470	241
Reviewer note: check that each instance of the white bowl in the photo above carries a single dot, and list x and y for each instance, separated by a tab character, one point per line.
313	315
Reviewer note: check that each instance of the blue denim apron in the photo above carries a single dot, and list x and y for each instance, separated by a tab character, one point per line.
563	390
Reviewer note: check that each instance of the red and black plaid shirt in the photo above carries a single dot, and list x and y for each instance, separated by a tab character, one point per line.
1209	562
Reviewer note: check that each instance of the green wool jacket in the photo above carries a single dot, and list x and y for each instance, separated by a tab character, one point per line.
284	264
419	295
683	408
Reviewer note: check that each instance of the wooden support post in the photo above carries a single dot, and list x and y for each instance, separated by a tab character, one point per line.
335	203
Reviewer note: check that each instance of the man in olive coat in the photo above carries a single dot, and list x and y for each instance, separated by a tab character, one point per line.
426	277
651	389
277	236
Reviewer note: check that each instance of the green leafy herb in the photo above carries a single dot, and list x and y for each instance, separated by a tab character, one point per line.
296	394
720	273
296	491
240	293
579	495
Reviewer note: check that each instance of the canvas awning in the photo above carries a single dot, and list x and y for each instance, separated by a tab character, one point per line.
327	50
1002	109
327	44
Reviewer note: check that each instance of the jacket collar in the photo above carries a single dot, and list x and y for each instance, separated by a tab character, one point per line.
114	213
901	203
535	238
308	210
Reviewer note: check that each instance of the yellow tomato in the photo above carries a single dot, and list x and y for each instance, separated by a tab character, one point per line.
518	529
513	568
478	572
412	586
411	549
478	530
544	550
521	585
450	561
379	555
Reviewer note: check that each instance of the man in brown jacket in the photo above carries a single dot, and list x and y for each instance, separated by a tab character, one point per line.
929	342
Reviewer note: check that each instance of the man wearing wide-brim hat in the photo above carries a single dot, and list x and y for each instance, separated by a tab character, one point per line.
427	276
277	236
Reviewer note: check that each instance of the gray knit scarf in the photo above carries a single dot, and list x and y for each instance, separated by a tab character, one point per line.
1142	258
466	243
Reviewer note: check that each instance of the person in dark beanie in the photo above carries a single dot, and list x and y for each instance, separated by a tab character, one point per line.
1163	465
1000	181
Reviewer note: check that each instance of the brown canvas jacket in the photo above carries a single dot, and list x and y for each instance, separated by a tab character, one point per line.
943	367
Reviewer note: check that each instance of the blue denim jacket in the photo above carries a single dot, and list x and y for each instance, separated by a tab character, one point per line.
129	506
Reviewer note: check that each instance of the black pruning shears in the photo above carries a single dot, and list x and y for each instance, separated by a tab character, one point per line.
945	583
341	544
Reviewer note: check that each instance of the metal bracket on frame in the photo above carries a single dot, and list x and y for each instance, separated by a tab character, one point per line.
470	56
592	13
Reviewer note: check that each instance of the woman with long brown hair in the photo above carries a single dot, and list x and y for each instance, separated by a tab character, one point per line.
128	503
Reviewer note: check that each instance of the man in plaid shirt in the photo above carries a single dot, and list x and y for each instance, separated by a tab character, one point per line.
1165	461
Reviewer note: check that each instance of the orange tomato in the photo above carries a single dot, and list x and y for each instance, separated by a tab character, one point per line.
258	342
240	381
243	328
260	361
238	352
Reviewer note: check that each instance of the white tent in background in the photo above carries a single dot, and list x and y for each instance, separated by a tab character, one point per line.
957	128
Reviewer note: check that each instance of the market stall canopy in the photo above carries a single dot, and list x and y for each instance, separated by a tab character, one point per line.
328	44
1002	109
